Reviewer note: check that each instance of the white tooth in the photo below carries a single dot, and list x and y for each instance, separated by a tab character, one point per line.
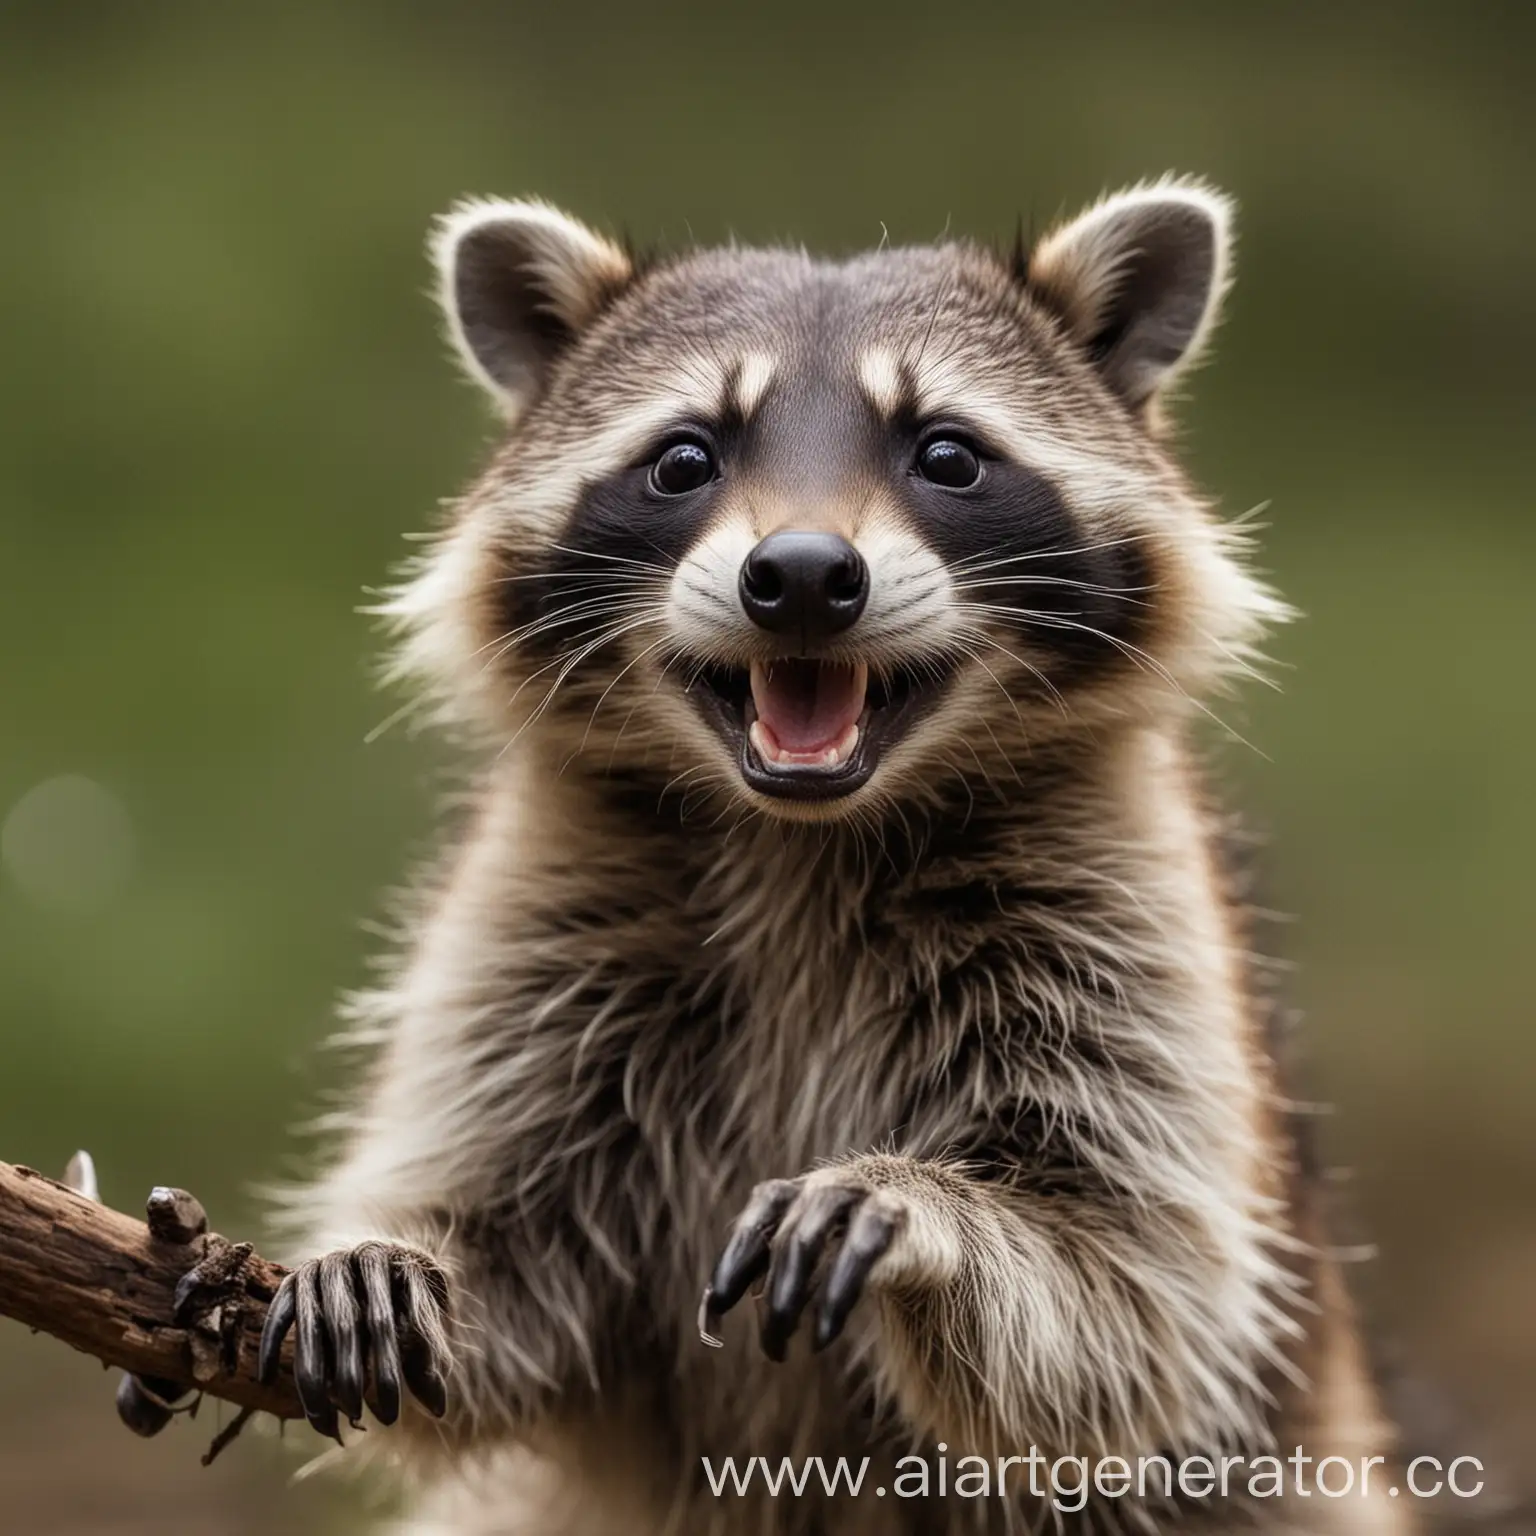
759	739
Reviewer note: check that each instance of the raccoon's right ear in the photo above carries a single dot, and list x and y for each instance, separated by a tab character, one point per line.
518	282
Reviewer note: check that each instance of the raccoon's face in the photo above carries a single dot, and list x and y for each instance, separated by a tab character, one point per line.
824	535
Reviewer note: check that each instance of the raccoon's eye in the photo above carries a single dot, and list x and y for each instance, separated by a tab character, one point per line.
948	462
682	468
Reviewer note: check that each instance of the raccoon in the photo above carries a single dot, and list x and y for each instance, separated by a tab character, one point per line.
832	1029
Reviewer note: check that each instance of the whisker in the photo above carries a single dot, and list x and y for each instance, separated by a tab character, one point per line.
1138	657
564	673
613	683
611	632
1013	702
592	554
585	578
970	565
978	633
616	610
1055	581
587	608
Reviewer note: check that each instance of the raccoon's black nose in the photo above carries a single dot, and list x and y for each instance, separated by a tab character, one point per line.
811	585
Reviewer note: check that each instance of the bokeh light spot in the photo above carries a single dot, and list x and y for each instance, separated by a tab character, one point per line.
68	844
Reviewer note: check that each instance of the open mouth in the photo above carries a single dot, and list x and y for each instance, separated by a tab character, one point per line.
806	729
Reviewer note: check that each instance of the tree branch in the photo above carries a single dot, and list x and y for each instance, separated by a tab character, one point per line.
107	1285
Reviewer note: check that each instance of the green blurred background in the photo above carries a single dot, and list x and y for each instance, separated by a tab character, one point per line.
223	401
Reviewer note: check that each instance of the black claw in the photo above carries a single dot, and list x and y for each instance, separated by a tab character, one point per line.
327	1422
343	1320
794	1265
420	1312
788	1291
869	1236
744	1262
745	1258
774	1335
275	1330
372	1260
423	1378
310	1365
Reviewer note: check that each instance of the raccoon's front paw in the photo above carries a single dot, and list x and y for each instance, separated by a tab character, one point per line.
829	1228
364	1319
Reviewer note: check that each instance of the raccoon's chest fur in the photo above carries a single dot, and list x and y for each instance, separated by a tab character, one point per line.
708	1068
717	1044
695	1027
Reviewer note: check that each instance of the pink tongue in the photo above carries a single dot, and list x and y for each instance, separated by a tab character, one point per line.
808	705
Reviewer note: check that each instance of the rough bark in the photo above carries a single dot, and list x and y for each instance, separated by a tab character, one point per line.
107	1285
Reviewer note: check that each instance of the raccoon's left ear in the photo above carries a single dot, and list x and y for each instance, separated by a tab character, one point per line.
518	282
1138	280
